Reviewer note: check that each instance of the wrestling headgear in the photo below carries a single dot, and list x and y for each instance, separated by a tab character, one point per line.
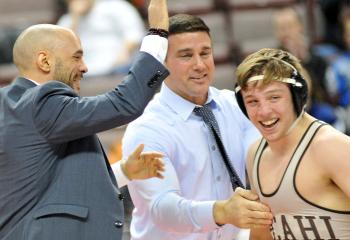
297	85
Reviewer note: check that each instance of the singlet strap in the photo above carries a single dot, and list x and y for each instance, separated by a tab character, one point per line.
303	145
258	153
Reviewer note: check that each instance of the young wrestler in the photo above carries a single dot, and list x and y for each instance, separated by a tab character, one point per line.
300	167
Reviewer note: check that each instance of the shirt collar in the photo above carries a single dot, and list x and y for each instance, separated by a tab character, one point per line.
182	106
36	83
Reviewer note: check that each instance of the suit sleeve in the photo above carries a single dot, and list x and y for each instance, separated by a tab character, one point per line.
60	115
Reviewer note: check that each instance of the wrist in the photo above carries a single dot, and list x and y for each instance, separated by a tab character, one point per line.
124	168
219	213
158	31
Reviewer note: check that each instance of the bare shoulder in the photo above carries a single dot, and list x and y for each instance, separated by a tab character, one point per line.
329	143
251	153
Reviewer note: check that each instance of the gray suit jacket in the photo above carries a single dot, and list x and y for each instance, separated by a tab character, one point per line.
55	180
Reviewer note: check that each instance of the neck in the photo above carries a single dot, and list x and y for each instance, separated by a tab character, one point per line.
289	141
39	79
295	123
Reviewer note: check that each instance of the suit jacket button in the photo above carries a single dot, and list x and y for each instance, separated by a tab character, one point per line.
118	224
154	79
121	196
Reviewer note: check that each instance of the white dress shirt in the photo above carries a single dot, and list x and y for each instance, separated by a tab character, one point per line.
181	205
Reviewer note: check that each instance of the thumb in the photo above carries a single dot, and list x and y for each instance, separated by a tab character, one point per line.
137	152
247	194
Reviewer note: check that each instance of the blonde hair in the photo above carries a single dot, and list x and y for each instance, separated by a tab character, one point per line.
274	64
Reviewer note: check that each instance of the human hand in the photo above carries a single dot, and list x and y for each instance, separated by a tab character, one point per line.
243	210
143	165
158	14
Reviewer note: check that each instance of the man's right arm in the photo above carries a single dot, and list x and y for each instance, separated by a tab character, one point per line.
170	211
244	209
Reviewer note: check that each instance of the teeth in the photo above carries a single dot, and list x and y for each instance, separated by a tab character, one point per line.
269	122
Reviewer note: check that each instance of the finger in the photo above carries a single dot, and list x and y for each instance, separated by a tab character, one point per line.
259	222
247	194
159	175
258	207
258	215
259	226
159	167
150	155
137	152
158	162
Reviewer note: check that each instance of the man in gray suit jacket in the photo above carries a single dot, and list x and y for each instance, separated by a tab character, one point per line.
55	180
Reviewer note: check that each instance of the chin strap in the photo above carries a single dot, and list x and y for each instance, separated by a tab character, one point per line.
295	122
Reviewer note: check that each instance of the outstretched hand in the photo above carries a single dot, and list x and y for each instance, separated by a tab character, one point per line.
143	165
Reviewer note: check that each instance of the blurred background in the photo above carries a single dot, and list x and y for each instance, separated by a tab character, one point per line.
238	27
316	31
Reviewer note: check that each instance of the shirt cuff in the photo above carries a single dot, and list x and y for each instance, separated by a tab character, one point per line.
122	179
203	214
156	46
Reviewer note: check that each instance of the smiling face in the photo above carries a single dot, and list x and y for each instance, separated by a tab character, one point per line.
270	108
191	65
69	66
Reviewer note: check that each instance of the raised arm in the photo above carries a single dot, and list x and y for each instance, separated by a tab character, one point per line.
60	115
158	14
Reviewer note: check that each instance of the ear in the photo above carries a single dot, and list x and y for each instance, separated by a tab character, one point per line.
43	61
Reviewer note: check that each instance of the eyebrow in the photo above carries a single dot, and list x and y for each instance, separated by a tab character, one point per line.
191	49
80	51
272	91
184	50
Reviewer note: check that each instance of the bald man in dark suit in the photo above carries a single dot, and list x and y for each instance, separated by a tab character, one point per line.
55	180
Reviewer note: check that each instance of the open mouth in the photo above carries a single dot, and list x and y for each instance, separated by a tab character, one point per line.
270	123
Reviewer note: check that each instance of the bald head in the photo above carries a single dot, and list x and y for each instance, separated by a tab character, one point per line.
41	37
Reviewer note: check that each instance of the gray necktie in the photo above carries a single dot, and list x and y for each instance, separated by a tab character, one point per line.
209	119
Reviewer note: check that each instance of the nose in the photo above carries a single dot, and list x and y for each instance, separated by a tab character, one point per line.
264	109
198	63
83	67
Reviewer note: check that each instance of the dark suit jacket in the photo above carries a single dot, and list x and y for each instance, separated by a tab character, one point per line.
55	180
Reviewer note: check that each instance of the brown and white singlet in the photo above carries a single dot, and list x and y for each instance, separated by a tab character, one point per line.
296	217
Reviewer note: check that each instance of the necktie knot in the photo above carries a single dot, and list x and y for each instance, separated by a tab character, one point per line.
206	113
208	117
200	111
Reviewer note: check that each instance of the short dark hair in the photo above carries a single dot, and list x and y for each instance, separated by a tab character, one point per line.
182	23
